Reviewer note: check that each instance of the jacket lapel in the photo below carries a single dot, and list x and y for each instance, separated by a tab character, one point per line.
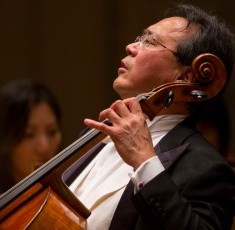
169	149
169	157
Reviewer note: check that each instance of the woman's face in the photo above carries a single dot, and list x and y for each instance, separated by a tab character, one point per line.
42	140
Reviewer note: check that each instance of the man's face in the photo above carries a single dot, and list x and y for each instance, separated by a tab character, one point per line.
150	61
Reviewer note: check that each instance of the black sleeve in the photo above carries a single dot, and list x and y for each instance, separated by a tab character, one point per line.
204	201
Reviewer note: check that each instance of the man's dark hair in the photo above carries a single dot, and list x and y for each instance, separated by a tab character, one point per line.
213	36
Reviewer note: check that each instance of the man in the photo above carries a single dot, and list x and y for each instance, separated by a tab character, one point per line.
159	174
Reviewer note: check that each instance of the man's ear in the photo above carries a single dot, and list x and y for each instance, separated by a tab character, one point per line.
187	75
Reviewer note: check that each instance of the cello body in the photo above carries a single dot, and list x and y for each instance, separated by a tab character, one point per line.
43	199
42	207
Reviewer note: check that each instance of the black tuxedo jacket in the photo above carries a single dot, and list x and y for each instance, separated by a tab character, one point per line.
196	191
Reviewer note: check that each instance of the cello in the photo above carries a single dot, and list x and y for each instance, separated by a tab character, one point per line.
43	199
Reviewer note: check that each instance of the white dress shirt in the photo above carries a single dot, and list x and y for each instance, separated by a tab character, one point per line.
101	184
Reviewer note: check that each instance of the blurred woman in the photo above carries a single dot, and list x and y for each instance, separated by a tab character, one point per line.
30	130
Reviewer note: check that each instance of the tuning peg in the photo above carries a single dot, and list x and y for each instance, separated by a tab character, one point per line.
168	99
198	94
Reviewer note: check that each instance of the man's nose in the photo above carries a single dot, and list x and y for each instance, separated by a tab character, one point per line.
132	49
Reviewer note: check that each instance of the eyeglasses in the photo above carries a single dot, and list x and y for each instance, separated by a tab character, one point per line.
148	40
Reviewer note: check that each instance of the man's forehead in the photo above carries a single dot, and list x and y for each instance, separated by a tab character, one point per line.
169	25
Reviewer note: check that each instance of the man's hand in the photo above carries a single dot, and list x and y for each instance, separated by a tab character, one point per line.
129	131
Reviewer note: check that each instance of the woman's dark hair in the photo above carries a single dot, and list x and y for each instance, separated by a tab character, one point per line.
17	98
213	36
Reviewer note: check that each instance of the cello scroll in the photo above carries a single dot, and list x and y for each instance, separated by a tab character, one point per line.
209	80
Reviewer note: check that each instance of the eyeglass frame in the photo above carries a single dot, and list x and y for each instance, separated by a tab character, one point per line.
143	38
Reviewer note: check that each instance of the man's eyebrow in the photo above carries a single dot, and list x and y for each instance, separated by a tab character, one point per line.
147	32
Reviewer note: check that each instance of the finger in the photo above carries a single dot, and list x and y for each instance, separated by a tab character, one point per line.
133	105
110	115
120	108
97	125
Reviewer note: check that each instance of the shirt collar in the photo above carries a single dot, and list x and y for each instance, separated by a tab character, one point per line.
164	122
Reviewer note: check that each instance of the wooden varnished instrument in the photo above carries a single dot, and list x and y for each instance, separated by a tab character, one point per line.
42	199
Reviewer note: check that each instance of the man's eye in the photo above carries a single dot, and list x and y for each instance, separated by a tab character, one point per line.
149	42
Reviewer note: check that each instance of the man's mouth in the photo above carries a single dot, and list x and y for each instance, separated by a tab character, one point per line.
122	68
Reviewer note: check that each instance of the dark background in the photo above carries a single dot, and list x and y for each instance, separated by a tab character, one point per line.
75	47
